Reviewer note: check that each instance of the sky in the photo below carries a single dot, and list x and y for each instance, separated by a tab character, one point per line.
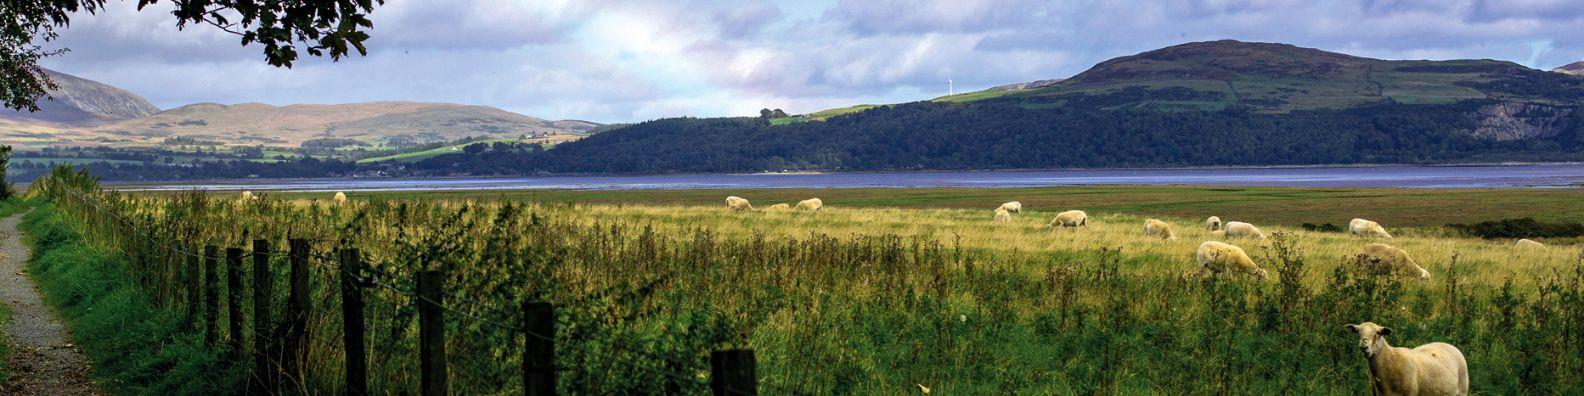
628	61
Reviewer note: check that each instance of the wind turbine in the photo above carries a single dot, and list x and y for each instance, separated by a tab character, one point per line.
949	90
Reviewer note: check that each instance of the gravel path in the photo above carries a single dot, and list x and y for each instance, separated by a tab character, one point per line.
44	361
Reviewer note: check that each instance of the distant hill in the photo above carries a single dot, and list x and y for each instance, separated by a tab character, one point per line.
371	122
78	102
1575	68
84	112
1214	103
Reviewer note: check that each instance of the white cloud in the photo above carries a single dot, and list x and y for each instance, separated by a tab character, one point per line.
614	61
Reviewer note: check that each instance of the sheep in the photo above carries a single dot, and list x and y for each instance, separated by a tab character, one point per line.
1367	229
811	204
1238	229
779	206
1002	215
1071	218
247	196
1221	257
738	204
1014	207
1159	229
1394	259
1436	368
1530	244
1213	223
340	198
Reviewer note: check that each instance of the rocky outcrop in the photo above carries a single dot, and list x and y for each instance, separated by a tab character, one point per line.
1520	121
1026	85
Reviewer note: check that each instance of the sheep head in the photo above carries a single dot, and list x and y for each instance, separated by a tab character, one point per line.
1372	337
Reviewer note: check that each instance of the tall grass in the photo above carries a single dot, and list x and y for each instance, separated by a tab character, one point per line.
869	301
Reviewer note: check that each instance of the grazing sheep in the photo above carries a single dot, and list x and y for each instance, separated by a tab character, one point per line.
1002	216
1529	244
1367	229
1014	207
1158	229
247	196
1071	218
340	198
1436	368
811	204
738	204
1221	257
1238	229
779	206
1213	223
1394	259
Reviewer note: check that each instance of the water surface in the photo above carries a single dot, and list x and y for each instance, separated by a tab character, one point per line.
1495	176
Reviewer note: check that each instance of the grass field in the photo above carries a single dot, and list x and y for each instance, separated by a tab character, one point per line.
453	149
889	290
1397	207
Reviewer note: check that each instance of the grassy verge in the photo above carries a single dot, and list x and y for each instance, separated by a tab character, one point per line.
136	348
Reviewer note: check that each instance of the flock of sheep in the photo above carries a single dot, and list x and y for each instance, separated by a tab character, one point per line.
1434	368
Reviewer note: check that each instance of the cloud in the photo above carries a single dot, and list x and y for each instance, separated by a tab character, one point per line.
632	60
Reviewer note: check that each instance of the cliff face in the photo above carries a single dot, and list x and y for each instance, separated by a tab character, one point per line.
1521	121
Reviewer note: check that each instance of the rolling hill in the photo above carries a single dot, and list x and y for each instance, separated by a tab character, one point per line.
1214	103
1575	68
87	113
77	102
374	123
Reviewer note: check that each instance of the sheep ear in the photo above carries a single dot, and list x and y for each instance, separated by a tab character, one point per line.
1352	328
1385	331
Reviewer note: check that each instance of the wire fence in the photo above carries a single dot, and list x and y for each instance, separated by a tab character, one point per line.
97	206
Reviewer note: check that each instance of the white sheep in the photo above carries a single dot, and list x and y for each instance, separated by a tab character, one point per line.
779	206
1014	207
1530	244
1071	218
1436	368
1213	223
1238	229
1394	259
1158	229
1367	229
340	198
247	196
811	204
1002	216
738	203
1218	257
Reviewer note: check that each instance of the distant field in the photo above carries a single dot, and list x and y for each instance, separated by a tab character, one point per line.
435	152
821	115
1398	207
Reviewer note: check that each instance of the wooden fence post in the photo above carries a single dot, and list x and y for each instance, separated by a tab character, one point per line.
234	301
194	278
263	287
732	372
352	322
431	334
539	371
211	280
296	317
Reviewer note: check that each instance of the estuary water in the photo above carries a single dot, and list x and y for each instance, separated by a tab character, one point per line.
1570	175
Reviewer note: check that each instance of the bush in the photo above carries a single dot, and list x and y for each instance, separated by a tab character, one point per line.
1519	228
1327	227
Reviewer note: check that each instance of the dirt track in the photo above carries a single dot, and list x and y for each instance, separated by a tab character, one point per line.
44	360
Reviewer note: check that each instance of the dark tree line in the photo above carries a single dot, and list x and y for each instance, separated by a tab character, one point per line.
1008	136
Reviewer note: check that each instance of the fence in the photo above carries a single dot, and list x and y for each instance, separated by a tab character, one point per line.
182	276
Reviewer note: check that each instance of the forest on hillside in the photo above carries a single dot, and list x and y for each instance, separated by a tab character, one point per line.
941	136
